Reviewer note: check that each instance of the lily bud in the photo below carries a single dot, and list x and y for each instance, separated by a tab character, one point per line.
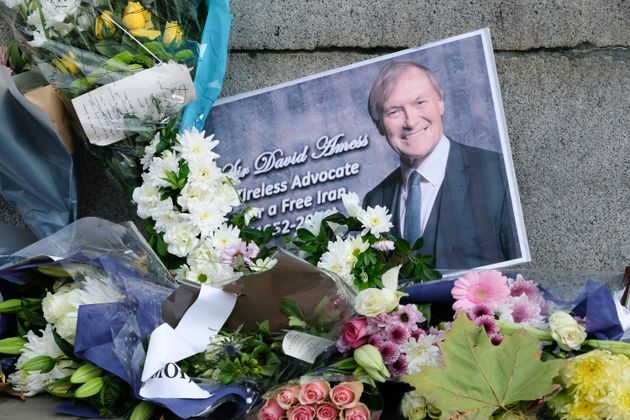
85	372
12	345
43	364
104	25
142	411
173	34
91	387
133	17
369	358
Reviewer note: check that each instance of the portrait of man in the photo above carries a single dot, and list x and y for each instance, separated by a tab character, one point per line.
454	195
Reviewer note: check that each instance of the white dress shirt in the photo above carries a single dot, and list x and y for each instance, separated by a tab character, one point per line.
432	170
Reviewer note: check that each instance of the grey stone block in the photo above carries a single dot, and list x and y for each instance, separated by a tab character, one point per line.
515	25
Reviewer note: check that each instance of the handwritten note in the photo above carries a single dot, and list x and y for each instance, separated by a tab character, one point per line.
102	111
304	346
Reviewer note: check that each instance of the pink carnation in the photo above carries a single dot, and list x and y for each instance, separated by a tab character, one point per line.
475	287
520	286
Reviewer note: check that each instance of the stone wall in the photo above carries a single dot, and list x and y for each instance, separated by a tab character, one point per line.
564	71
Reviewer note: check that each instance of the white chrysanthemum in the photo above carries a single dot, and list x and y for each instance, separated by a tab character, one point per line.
209	272
225	236
61	307
194	194
181	238
421	352
149	152
376	220
207	219
315	223
31	383
146	197
356	245
194	147
226	197
159	168
351	203
338	259
205	172
263	264
165	222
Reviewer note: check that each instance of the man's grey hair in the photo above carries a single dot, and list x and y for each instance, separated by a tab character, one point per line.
382	86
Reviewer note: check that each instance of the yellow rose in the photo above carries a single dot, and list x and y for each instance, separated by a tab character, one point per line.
145	33
104	25
148	19
133	17
66	64
172	34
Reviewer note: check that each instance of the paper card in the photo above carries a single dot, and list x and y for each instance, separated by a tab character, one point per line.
102	111
304	346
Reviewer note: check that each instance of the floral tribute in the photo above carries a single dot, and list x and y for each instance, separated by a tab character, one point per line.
316	399
188	201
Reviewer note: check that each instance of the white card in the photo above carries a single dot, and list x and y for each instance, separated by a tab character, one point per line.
102	111
304	346
172	382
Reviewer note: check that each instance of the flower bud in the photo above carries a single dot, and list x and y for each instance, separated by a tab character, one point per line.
173	34
12	345
61	388
43	364
85	372
66	64
133	17
370	359
148	19
90	388
104	25
142	411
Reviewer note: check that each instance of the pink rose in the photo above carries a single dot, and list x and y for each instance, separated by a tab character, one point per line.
301	412
271	411
287	396
313	392
355	333
358	412
346	394
327	411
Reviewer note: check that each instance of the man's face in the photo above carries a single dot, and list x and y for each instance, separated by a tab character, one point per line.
412	116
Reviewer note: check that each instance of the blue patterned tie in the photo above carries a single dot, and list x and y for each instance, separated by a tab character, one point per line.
413	228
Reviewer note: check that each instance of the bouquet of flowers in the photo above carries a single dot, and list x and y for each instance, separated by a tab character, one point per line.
514	333
314	397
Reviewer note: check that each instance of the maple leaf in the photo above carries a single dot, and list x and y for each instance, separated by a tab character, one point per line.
477	378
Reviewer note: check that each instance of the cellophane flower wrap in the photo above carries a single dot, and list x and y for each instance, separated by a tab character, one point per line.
80	45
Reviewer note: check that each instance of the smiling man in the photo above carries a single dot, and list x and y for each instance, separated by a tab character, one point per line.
453	195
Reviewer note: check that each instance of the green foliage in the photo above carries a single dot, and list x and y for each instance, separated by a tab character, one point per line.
478	379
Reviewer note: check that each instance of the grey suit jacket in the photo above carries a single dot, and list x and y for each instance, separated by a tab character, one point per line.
471	223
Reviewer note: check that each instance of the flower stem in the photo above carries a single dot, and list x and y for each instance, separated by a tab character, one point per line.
511	327
615	347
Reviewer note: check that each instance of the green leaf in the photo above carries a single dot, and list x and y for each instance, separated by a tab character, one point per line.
477	378
64	346
290	309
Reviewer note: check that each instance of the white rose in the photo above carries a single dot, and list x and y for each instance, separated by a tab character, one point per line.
566	331
372	302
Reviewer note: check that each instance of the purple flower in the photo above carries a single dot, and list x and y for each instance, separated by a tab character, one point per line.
397	333
526	311
383	245
409	314
399	367
389	351
478	310
488	323
520	286
377	340
496	339
247	251
416	332
379	322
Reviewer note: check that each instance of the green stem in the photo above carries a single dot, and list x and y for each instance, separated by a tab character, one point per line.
510	328
615	347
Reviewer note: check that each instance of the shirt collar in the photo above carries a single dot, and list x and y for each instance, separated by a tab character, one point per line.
433	167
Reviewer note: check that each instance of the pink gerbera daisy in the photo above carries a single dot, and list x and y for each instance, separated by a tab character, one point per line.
475	287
